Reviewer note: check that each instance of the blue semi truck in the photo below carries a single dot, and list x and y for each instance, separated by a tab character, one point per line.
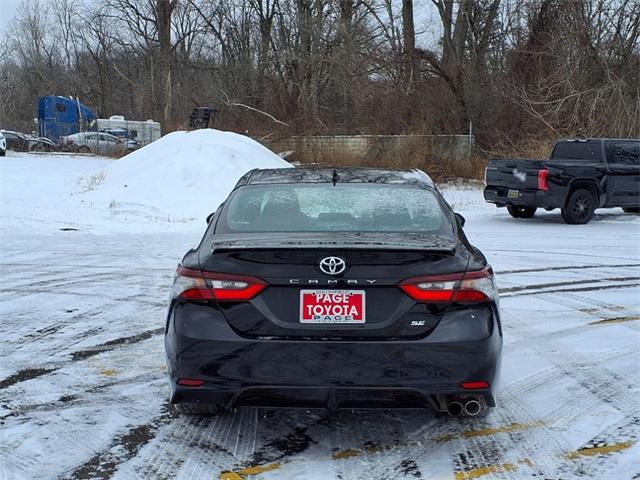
62	116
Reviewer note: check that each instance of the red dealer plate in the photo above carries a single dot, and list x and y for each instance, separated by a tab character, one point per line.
332	306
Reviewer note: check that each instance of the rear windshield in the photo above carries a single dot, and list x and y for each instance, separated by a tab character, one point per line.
326	208
590	150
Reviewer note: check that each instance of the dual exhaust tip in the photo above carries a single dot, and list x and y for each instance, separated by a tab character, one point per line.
470	407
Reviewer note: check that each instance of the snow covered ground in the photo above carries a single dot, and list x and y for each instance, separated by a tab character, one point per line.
82	377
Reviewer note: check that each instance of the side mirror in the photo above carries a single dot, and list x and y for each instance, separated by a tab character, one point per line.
210	217
461	220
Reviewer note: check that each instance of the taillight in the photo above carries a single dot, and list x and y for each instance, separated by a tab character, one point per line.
193	284
190	382
542	179
475	385
475	286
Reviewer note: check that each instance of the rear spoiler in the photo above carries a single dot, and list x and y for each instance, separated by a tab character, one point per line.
382	241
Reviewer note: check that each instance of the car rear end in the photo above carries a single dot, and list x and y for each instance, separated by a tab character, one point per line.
520	182
70	141
334	318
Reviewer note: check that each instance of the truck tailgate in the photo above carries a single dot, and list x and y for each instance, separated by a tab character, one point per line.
519	174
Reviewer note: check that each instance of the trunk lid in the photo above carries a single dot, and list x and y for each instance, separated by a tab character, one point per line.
374	267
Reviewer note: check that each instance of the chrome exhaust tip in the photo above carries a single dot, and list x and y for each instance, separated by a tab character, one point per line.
472	408
455	409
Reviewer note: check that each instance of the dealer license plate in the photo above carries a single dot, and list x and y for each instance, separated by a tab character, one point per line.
332	306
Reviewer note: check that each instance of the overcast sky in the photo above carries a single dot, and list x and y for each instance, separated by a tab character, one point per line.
426	19
7	11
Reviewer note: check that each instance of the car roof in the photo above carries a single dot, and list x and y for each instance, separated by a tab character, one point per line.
12	132
597	139
341	175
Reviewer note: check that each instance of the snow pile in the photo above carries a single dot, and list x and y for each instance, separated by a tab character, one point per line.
182	176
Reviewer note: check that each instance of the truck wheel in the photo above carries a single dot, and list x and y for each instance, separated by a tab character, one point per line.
579	207
521	212
635	210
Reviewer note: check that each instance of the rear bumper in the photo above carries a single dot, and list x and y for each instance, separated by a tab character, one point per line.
336	374
526	198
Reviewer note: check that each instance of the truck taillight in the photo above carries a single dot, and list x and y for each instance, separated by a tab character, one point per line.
542	179
475	286
191	284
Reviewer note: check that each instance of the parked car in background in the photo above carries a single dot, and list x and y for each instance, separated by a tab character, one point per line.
578	177
3	145
97	142
41	144
16	141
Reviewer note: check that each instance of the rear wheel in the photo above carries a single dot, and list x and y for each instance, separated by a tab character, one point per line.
635	210
579	207
197	409
521	212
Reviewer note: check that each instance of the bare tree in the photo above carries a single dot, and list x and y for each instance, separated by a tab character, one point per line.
517	70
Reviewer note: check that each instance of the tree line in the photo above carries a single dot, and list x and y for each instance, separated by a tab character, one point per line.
512	71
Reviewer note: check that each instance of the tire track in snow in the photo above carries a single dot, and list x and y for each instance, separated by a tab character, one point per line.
131	299
538	286
546	442
556	334
219	440
65	267
368	444
78	399
566	267
541	377
542	441
563	254
544	288
29	373
24	375
123	447
600	386
620	434
115	343
592	307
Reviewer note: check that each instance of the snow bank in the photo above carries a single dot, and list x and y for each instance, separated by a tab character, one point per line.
182	176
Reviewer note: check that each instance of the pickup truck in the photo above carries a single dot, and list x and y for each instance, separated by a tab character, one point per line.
578	177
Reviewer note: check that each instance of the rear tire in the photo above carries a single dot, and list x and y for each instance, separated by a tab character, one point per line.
197	409
635	210
579	207
521	212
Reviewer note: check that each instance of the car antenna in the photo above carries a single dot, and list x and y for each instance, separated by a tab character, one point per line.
335	177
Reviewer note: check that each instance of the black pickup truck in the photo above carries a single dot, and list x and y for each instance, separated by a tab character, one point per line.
578	177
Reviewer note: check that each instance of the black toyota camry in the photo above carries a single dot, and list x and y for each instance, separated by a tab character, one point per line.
334	288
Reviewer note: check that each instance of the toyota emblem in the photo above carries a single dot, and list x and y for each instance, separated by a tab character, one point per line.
333	265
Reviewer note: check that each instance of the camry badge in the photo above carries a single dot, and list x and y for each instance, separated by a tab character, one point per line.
333	265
